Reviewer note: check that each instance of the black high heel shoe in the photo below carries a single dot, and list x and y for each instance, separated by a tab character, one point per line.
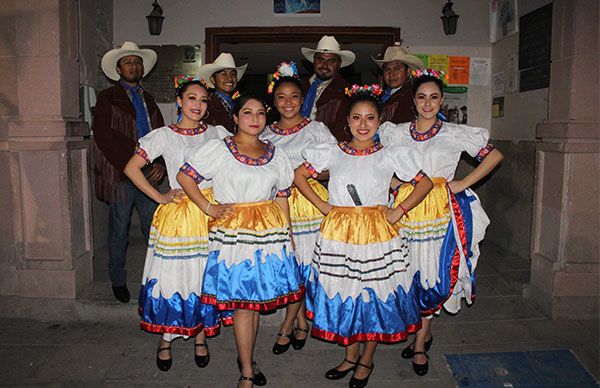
421	369
201	361
299	343
409	351
245	378
360	383
336	374
280	349
259	378
164	365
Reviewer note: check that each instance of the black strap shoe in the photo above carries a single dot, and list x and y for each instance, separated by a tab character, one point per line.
259	378
360	383
421	369
164	365
409	351
201	361
299	343
336	374
280	349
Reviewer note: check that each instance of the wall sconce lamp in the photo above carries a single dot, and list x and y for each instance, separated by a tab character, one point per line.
155	19
449	19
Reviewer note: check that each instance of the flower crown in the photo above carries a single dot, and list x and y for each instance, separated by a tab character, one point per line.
179	80
439	74
285	69
374	90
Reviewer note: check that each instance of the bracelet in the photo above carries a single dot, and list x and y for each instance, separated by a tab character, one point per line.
404	210
207	208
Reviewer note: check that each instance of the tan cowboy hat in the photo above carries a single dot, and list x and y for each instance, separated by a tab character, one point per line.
110	59
328	44
397	53
223	61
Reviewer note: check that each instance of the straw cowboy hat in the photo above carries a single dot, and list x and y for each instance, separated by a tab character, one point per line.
223	61
397	53
110	59
328	44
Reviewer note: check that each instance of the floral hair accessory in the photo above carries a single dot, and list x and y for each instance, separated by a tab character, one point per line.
439	74
285	69
235	95
179	80
374	90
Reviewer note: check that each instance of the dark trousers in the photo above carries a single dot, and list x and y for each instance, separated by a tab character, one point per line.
119	218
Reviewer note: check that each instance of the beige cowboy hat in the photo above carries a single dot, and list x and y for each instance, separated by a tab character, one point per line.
397	53
328	44
223	61
110	59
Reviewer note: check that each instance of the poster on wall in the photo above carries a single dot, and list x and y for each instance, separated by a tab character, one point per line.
503	19
458	71
439	62
481	71
455	107
297	7
424	58
498	107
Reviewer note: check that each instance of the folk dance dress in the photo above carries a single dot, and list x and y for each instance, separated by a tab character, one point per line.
177	252
444	230
306	218
360	287
251	264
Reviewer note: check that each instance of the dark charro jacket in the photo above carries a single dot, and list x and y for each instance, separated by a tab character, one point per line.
399	108
217	114
115	138
332	107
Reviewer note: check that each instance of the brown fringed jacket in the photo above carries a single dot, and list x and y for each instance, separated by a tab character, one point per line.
217	113
332	107
399	107
115	138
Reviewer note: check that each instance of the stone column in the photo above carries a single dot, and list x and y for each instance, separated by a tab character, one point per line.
564	246
45	233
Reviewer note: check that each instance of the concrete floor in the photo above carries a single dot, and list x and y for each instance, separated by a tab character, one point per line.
113	351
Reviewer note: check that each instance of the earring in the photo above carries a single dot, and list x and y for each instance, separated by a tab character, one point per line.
206	114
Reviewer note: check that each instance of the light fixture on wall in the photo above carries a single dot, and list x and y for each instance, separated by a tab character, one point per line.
155	19
449	19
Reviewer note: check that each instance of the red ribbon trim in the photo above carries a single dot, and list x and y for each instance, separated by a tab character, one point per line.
256	306
362	337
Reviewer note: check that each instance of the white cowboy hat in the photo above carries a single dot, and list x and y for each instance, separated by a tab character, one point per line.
328	44
110	59
223	61
397	53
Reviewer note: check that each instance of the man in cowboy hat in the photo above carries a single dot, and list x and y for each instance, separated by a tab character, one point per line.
124	113
397	100
222	75
324	96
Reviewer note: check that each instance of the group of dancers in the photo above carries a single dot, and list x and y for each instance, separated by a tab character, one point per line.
367	238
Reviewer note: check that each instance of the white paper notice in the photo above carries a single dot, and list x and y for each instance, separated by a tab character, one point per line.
498	84
481	69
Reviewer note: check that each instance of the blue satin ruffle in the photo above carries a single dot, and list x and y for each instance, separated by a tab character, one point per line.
433	297
355	320
267	282
175	314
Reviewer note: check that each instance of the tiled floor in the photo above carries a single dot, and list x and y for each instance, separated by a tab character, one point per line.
116	353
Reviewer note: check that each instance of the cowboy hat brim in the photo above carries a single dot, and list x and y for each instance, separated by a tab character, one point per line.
206	71
347	56
110	59
409	60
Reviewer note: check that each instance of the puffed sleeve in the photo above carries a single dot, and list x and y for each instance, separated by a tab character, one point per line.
222	132
317	157
322	134
388	134
286	174
153	144
202	161
405	162
474	140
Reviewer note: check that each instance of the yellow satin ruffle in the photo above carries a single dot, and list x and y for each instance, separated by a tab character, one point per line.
255	216
433	207
301	209
182	218
358	225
